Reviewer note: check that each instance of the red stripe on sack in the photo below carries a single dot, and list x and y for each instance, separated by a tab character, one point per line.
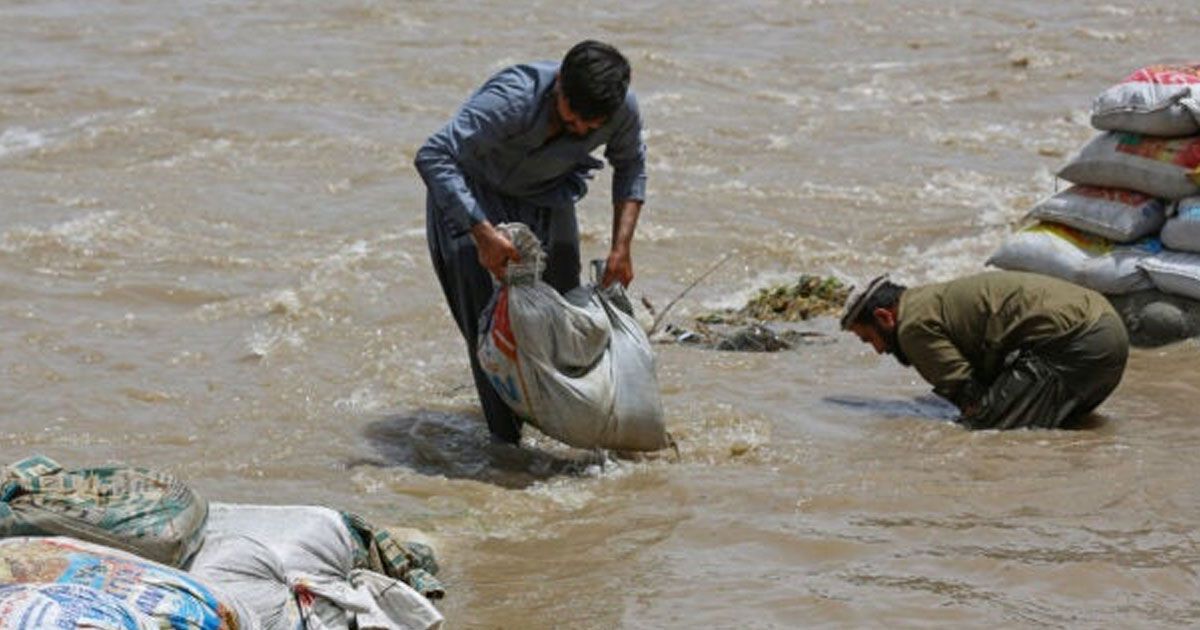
502	334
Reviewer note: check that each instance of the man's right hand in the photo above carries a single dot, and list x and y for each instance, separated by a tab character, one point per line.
495	248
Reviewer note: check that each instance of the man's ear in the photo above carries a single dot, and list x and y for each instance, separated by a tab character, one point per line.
886	318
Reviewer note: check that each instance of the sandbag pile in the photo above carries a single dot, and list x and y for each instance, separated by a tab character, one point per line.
576	366
76	581
1131	219
131	548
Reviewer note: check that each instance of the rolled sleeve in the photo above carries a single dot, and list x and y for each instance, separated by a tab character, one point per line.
626	152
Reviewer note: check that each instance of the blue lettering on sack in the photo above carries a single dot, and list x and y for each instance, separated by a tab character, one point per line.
507	388
188	603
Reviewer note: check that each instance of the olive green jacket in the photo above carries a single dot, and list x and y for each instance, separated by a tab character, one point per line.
958	333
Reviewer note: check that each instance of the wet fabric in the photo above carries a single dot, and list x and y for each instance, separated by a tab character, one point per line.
468	289
574	365
962	331
1053	387
492	161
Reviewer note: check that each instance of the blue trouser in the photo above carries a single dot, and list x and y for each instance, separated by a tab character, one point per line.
468	287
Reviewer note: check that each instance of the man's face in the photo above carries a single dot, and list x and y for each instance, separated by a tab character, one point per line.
881	335
573	123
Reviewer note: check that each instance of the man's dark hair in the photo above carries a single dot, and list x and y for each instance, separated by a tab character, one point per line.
595	78
881	293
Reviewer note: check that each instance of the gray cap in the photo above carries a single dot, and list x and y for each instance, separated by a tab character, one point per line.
855	305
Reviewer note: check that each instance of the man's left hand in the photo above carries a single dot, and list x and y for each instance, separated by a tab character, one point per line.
618	268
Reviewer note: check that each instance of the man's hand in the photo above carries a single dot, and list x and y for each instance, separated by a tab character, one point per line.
618	268
495	249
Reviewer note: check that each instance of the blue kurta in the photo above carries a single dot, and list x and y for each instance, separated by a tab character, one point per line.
492	161
493	154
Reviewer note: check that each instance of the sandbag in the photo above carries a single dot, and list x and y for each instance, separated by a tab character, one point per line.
42	606
1078	257
1158	100
1116	214
1182	229
316	556
575	366
173	598
1154	318
242	565
1176	273
1159	167
148	513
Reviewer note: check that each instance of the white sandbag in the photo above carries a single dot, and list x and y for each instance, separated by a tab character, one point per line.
575	366
1182	230
1116	214
171	597
1159	167
1176	273
148	513
42	606
1159	100
242	565
1078	257
317	553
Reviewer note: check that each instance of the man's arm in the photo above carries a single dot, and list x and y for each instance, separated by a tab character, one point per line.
627	153
941	363
491	115
619	267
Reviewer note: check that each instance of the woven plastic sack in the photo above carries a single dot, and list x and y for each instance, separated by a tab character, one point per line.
1118	215
1159	100
42	606
169	596
242	565
575	366
1084	259
145	512
313	555
1159	167
1182	230
1175	273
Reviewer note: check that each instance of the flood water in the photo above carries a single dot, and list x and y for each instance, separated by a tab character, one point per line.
212	262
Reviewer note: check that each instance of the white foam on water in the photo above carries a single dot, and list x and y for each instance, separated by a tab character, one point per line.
19	139
360	401
267	339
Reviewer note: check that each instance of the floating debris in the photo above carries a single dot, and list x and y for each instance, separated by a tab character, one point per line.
746	330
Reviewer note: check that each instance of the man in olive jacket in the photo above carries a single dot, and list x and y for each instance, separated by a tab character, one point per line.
1009	349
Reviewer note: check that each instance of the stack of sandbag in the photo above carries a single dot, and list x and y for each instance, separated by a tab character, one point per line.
58	582
576	366
132	530
1176	269
313	568
1129	221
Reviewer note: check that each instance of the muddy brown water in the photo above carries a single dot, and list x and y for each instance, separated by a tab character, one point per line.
212	262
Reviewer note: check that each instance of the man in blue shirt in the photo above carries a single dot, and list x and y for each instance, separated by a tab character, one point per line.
519	150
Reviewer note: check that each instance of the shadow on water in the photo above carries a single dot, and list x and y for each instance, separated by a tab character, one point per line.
458	446
930	407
